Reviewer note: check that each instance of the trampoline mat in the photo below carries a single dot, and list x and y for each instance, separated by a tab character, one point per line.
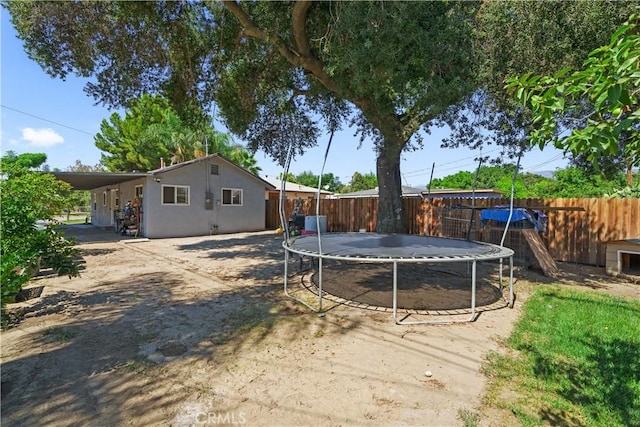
395	246
420	286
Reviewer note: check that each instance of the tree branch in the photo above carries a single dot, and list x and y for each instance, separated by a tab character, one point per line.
302	56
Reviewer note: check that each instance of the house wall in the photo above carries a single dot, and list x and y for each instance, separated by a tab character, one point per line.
193	219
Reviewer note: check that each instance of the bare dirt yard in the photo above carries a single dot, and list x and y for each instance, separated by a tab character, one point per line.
197	331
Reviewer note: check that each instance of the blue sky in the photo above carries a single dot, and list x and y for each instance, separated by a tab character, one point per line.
42	114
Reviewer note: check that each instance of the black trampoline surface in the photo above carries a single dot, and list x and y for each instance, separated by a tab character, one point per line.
391	247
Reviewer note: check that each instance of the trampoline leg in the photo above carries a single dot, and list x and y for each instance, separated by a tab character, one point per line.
473	291
511	294
395	294
433	322
286	282
320	284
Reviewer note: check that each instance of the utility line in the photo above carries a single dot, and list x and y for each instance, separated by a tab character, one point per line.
47	120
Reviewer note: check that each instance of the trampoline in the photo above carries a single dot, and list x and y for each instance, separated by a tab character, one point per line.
396	249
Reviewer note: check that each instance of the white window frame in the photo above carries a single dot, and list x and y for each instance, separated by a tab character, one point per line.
240	190
175	195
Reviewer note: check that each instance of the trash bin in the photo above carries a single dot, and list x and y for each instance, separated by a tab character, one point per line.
311	223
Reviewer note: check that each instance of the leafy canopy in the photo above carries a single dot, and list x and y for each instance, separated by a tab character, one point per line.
609	82
151	130
519	37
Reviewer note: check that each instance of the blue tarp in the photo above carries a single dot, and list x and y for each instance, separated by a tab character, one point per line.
536	218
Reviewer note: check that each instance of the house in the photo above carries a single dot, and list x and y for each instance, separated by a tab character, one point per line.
208	195
294	191
406	192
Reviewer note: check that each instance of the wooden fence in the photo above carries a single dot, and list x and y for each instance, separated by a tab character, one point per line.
578	229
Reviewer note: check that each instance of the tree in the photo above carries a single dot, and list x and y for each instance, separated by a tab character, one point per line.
29	196
609	83
360	182
576	182
516	37
495	177
78	166
14	163
152	130
329	181
388	68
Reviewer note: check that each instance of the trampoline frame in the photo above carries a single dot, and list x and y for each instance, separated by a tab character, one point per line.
500	255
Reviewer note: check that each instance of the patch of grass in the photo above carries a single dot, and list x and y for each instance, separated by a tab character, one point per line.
468	418
70	221
135	366
573	359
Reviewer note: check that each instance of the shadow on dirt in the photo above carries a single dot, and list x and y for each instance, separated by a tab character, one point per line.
262	247
110	348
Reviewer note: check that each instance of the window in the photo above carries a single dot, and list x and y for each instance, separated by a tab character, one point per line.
138	189
214	170
175	195
232	197
104	198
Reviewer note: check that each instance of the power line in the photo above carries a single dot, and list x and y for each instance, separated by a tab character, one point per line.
47	120
449	163
538	166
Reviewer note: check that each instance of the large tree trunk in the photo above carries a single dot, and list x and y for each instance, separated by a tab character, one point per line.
391	217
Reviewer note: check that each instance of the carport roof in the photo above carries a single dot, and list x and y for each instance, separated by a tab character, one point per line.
91	180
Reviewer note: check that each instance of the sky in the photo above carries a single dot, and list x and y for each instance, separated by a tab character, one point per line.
46	115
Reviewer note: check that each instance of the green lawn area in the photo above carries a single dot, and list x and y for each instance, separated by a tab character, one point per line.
573	359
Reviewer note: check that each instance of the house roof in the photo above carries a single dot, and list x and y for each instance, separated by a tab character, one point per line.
155	172
631	241
91	180
294	187
406	191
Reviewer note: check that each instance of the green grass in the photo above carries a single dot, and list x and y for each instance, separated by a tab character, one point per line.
573	359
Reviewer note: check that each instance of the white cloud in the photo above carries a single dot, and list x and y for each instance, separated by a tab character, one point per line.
41	137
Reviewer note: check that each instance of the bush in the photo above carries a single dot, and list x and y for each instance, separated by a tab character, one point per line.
28	197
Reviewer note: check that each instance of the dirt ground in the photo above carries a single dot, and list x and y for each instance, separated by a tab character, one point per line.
197	331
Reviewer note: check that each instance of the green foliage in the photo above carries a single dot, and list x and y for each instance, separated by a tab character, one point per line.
12	163
542	37
609	83
516	37
12	277
27	197
360	182
491	177
152	130
330	182
573	361
625	192
575	182
569	182
125	140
